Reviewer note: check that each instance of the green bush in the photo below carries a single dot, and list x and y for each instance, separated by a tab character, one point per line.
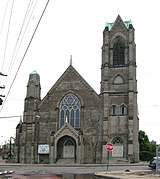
146	155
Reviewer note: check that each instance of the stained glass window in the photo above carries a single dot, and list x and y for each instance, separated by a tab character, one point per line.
70	111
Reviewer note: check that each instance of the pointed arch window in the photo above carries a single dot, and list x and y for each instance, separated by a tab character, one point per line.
70	111
118	80
118	147
113	110
117	140
118	53
123	109
68	142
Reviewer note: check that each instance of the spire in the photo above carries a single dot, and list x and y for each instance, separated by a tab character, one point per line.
71	60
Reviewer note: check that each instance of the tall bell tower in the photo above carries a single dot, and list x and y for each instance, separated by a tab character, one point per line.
119	90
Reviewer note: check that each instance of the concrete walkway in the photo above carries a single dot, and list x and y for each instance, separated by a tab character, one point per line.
134	174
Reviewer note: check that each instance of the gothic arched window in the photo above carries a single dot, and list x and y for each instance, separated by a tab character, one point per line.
68	142
123	109
113	110
118	53
118	147
70	111
117	140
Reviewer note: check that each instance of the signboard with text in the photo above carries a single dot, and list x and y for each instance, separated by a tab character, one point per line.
43	149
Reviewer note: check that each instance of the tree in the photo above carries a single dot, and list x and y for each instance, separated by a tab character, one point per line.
147	149
144	141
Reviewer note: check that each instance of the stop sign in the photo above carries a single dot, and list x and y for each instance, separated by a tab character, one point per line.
109	146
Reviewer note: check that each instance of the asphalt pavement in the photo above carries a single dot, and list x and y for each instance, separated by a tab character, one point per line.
114	170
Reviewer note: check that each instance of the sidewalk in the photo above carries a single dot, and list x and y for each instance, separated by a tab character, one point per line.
137	174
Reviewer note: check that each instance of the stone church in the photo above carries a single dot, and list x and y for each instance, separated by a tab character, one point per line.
72	123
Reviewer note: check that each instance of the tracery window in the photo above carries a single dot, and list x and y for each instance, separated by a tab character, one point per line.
68	142
70	111
117	140
118	147
118	53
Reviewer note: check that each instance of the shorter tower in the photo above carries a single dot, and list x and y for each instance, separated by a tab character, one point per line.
27	131
33	97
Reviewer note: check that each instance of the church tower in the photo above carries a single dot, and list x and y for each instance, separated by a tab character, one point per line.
119	90
72	123
30	120
33	96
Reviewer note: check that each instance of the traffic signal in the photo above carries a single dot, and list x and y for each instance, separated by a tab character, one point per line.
1	101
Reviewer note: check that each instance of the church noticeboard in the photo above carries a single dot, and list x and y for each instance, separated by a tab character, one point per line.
43	149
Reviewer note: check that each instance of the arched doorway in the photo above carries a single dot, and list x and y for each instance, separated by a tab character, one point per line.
66	148
118	148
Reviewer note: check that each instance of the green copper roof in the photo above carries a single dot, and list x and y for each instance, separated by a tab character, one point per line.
34	75
109	25
127	23
33	72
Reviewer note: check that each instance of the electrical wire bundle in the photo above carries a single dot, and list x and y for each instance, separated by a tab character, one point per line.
10	63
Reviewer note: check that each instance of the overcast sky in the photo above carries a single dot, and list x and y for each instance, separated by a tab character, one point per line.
74	27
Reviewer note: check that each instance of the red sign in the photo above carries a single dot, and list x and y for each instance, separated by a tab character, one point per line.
109	146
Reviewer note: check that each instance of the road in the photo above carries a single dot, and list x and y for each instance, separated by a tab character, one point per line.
21	169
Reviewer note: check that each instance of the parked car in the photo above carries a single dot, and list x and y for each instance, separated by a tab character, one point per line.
152	162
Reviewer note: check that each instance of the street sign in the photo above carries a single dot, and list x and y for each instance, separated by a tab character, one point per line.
109	146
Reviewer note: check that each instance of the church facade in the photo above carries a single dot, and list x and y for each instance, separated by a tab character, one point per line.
72	123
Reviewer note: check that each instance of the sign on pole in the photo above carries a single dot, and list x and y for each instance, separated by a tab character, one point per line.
109	148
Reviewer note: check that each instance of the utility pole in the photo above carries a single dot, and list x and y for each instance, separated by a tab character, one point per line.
2	87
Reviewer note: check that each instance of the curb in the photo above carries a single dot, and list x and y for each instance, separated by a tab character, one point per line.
134	174
75	165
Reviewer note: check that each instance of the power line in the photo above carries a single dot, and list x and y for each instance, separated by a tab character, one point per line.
16	49
6	43
9	117
25	53
4	17
1	74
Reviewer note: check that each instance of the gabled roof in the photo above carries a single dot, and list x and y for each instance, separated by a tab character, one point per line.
81	80
67	129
